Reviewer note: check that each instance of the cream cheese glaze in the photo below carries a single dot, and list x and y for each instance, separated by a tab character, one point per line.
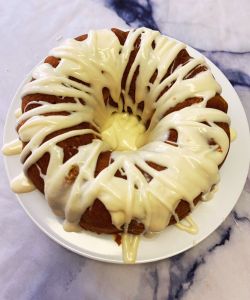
13	148
130	245
100	60
21	184
123	132
188	225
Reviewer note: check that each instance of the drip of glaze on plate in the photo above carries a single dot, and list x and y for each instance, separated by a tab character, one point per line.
187	224
130	244
21	184
233	134
18	112
13	148
209	195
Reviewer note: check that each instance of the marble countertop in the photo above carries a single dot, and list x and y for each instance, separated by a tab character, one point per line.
34	267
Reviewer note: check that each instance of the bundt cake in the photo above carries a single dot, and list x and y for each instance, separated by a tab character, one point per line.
123	131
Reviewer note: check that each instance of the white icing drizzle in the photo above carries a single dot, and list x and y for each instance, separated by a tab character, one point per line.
130	245
209	195
100	60
21	184
187	224
12	148
233	134
18	112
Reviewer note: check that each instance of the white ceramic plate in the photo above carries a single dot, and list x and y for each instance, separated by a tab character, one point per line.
208	215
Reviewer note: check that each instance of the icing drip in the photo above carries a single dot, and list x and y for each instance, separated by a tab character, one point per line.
187	224
209	195
130	244
12	148
233	134
190	166
18	112
21	184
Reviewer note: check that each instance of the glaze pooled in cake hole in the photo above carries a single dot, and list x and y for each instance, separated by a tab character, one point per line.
123	132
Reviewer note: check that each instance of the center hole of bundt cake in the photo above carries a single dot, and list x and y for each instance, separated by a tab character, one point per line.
123	131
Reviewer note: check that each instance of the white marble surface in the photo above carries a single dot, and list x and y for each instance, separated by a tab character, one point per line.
34	267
